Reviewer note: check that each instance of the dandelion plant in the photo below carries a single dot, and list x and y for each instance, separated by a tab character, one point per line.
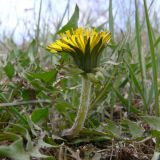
85	47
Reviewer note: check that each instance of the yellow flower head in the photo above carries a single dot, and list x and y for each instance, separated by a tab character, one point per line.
84	45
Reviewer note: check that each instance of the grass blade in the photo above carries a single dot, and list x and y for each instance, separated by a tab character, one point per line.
138	86
139	47
111	21
153	58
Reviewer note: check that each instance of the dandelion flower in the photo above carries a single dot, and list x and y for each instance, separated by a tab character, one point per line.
84	45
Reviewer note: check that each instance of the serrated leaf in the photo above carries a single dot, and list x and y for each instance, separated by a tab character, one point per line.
72	23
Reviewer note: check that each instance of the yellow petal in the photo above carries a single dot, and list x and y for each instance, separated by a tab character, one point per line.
68	41
65	46
73	39
78	38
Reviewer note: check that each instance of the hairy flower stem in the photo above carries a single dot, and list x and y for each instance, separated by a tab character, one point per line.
82	110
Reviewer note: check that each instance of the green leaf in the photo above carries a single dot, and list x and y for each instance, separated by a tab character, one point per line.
23	59
70	69
48	76
135	130
18	114
19	130
40	115
103	92
9	136
62	106
90	139
9	70
153	121
72	23
113	128
15	151
155	133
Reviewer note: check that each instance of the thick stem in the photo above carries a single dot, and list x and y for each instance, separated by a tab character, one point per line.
82	110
